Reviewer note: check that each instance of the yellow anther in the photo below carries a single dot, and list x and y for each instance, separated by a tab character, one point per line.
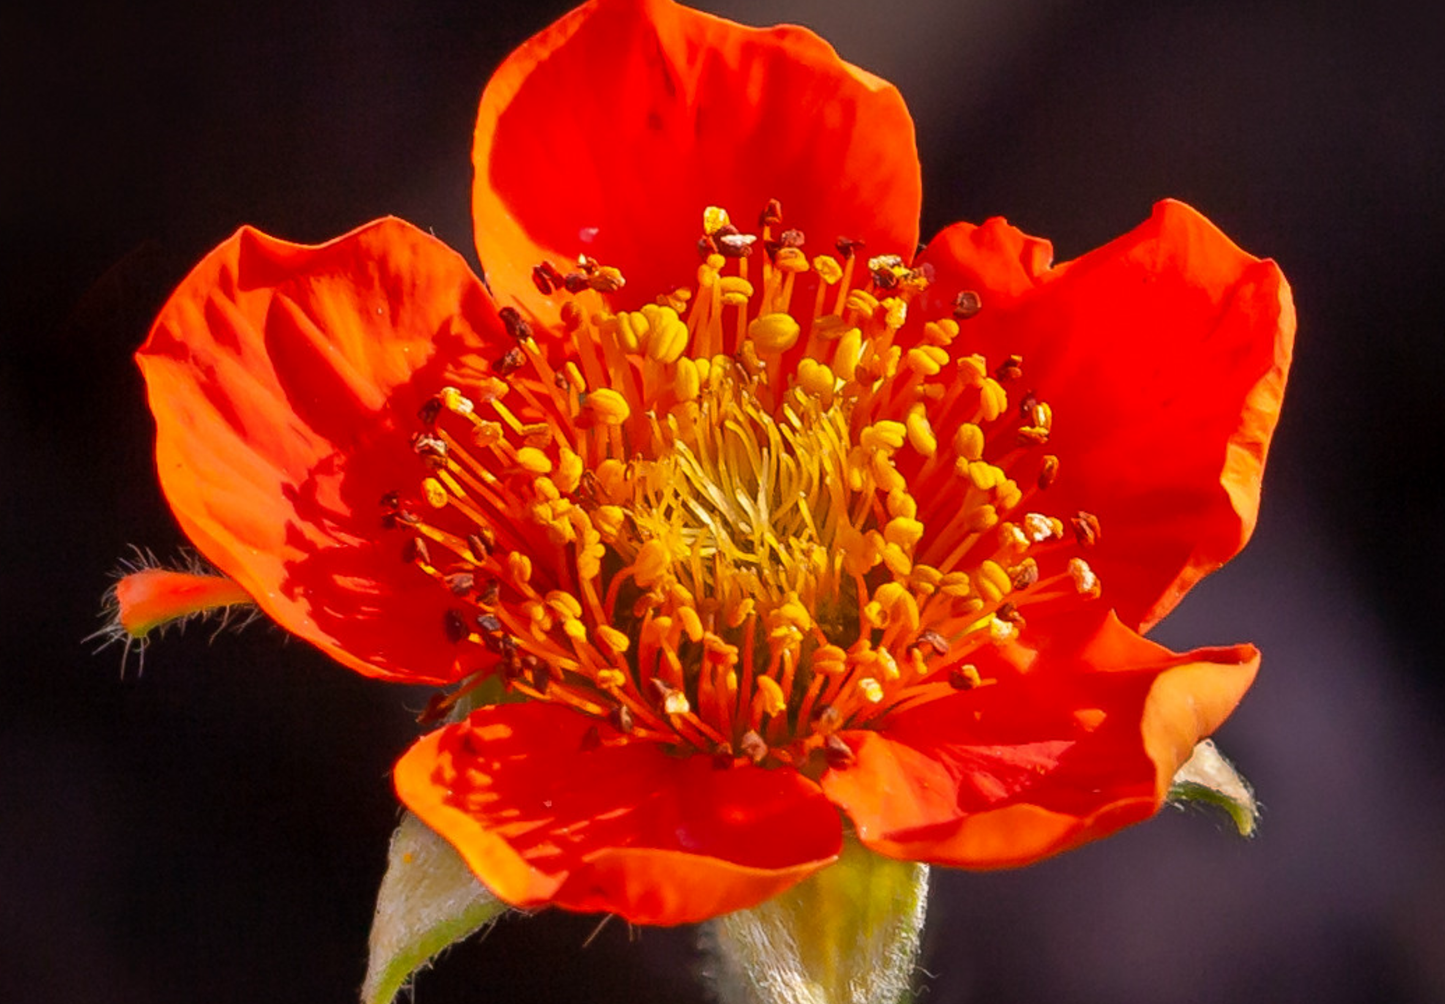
920	431
774	332
606	279
651	562
519	567
455	401
828	268
610	407
984	475
862	301
885	475
904	532
736	290
487	433
992	399
546	489
611	679
940	332
1007	496
992	581
900	503
889	665
691	623
885	435
714	218
816	378
687	383
968	441
830	659
770	695
533	460
1085	581
895	312
897	560
676	703
575	630
924	580
955	584
870	689
791	260
612	639
569	470
845	355
985	517
574	376
972	370
668	338
926	360
831	327
436	495
564	603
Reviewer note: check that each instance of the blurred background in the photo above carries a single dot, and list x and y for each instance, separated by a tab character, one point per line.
214	828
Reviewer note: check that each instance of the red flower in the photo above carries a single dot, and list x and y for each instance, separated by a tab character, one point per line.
811	531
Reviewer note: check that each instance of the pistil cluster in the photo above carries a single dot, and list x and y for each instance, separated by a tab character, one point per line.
699	521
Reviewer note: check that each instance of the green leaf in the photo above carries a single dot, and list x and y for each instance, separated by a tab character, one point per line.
428	900
847	935
1208	778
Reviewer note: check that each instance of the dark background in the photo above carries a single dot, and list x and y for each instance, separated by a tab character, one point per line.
214	828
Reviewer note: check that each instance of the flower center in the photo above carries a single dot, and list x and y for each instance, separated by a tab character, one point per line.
699	521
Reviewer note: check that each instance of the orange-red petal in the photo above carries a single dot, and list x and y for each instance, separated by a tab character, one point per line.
1066	748
1164	356
284	380
611	131
544	815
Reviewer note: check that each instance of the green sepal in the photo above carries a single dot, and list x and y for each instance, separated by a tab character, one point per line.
847	935
428	900
1208	778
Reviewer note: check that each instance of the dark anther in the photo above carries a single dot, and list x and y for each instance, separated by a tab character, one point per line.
503	644
827	718
1010	369
460	583
487	594
884	280
772	214
659	689
1086	528
512	360
478	547
772	247
456	626
966	305
753	747
1048	471
390	500
847	246
515	323
791	238
591	739
574	282
963	677
838	753
429	411
706	246
415	552
432	449
490	624
1025	574
1009	612
550	271
402	517
933	640
734	245
620	718
542	281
